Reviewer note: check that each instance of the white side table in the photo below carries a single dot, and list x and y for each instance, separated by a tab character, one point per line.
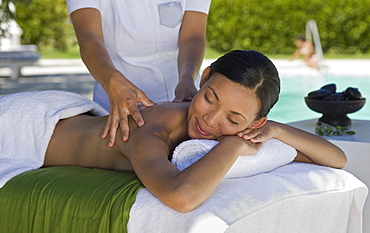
357	149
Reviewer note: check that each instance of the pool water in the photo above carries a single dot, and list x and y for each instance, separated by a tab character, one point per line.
292	107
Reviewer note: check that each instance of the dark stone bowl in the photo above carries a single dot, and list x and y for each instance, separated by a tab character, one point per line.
335	112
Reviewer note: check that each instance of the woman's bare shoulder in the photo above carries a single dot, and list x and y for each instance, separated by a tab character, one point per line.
165	127
167	120
166	111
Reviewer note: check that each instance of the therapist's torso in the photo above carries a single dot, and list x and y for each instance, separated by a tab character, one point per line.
142	40
141	37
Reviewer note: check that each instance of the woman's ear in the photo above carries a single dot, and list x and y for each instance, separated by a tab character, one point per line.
259	123
205	76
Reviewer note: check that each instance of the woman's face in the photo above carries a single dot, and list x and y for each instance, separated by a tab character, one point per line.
298	43
221	107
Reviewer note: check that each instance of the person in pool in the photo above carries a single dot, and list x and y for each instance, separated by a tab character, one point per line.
306	50
237	91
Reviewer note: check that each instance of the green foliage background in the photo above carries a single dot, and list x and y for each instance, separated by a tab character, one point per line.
7	13
271	26
45	23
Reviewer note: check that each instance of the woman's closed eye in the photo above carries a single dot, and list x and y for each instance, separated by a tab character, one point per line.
207	99
228	117
231	121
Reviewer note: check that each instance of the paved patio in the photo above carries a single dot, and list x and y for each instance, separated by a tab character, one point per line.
72	75
57	74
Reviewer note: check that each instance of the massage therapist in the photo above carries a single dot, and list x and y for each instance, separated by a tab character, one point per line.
140	51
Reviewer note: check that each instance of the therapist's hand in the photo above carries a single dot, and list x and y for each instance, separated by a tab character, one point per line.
124	97
185	91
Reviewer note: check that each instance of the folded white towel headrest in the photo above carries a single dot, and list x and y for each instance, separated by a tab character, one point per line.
272	154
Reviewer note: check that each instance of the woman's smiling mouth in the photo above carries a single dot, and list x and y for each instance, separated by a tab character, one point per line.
201	131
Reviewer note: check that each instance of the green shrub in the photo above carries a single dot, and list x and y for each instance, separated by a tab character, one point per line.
271	26
267	26
45	23
7	13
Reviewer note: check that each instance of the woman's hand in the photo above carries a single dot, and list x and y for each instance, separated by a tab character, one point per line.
246	147
310	148
266	132
123	97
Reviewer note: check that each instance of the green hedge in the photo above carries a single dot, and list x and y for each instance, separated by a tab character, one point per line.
267	26
271	26
45	23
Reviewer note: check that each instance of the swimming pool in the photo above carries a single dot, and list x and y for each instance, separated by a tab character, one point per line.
297	80
292	107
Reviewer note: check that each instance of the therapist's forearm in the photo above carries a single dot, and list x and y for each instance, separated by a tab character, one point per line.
190	58
88	29
97	60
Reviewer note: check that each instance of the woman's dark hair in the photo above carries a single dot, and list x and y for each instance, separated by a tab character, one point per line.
254	71
300	37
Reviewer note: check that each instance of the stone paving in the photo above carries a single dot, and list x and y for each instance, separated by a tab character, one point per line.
57	74
72	75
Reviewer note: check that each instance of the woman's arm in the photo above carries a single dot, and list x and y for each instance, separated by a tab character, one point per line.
192	41
185	190
123	95
296	54
311	148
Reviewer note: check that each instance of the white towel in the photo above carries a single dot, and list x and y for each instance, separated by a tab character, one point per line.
297	197
27	122
272	154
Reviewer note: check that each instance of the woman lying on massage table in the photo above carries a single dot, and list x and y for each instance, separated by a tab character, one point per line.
237	91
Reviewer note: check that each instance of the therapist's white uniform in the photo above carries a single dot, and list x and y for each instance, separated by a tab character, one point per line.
141	37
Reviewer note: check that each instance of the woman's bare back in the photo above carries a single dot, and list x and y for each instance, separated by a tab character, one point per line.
77	140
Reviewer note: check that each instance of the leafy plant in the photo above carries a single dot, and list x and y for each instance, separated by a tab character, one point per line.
271	26
44	22
7	13
328	130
